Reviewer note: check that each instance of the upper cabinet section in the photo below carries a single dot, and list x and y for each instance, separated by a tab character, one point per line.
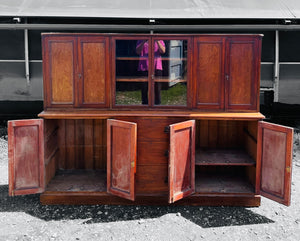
76	71
160	71
226	72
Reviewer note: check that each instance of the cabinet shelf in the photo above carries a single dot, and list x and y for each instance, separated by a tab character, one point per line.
131	79
132	58
146	58
78	181
222	183
139	79
216	157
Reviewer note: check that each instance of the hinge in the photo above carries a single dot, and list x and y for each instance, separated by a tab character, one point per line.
132	164
226	77
167	129
166	179
166	154
288	169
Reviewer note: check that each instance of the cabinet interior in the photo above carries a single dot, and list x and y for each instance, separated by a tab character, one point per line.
75	156
225	156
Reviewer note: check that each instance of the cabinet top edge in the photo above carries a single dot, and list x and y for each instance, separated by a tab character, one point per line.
98	114
148	34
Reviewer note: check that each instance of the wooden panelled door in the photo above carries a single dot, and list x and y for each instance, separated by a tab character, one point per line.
121	158
59	58
93	74
181	160
26	157
242	73
209	72
274	162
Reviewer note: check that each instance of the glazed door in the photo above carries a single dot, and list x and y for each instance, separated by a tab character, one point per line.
93	71
59	61
26	157
274	162
242	73
181	160
208	73
121	158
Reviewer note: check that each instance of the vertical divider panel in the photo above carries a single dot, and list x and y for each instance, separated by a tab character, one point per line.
79	144
62	143
89	144
203	133
70	144
98	144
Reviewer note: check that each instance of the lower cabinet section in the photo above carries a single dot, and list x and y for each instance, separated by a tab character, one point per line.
159	161
89	187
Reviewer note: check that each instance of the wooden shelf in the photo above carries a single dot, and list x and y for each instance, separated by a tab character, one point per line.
104	114
222	183
166	80
131	79
146	58
132	58
139	79
228	157
78	181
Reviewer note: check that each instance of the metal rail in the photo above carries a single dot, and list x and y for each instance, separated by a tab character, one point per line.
155	28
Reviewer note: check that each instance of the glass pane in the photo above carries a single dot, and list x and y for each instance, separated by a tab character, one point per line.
289	87
266	75
170	68
12	45
268	47
289	47
131	72
35	46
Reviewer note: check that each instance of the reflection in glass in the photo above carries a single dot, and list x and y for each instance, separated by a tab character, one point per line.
168	72
170	84
131	83
142	50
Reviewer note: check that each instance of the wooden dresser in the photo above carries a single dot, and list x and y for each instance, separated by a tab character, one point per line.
151	120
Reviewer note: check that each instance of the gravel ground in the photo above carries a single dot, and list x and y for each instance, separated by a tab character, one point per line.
23	218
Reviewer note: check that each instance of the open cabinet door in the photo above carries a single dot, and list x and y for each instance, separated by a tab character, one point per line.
26	157
274	162
121	158
181	160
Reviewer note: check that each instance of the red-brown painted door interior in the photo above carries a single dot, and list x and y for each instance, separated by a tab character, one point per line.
26	157
121	158
274	162
182	160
